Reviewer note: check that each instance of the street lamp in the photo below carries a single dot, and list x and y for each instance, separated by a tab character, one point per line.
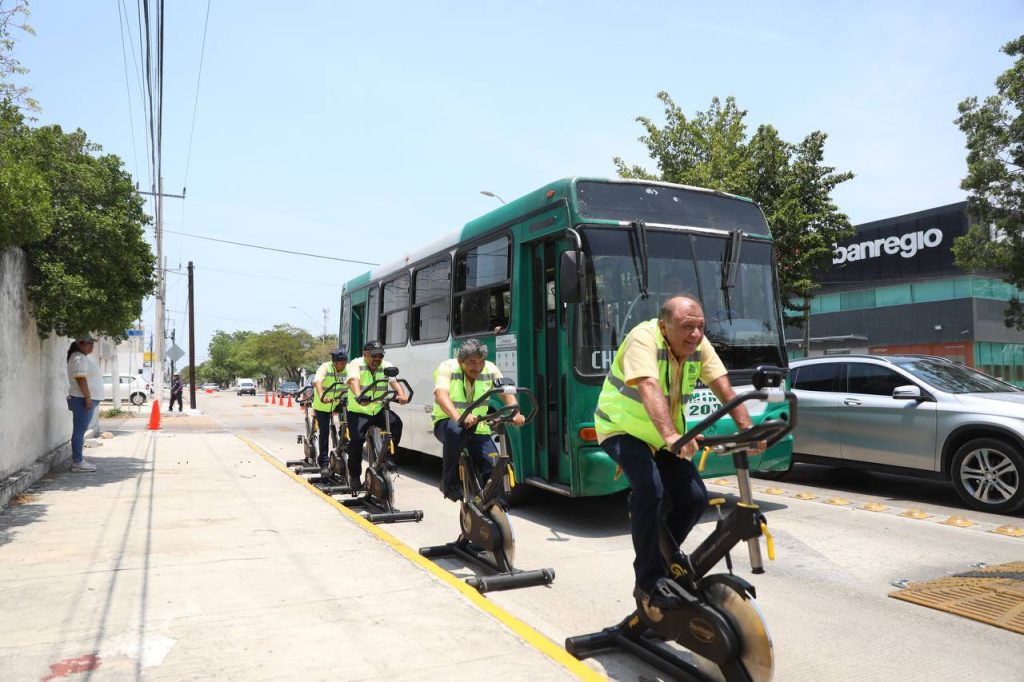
293	307
492	195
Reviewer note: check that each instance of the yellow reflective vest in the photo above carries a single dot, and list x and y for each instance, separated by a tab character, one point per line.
620	408
332	377
358	368
457	391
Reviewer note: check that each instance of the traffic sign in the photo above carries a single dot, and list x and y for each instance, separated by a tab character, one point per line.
174	353
136	332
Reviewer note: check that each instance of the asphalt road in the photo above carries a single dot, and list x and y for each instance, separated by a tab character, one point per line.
825	597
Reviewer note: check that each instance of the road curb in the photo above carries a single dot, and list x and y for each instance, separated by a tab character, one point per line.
537	640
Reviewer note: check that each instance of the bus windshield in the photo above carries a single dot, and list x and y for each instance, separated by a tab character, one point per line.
742	321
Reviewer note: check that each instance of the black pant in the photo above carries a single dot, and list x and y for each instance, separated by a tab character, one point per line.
455	439
650	478
358	424
175	396
323	422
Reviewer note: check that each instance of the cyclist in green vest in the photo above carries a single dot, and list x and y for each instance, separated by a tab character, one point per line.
327	375
640	412
457	383
361	416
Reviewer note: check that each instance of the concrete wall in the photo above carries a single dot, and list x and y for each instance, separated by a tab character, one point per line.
35	424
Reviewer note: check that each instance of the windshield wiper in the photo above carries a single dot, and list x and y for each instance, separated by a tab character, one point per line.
730	264
638	244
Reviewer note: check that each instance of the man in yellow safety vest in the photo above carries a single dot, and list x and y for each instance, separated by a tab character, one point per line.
458	383
327	375
362	373
640	414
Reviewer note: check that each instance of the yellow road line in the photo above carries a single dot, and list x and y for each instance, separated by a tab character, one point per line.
537	640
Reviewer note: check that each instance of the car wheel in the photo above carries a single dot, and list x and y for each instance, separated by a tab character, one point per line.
988	474
137	398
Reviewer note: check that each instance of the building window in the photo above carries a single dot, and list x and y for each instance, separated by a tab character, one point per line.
394	330
431	302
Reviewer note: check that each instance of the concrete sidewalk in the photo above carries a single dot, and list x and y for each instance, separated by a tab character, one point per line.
189	556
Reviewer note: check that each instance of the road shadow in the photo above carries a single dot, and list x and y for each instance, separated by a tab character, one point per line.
907	491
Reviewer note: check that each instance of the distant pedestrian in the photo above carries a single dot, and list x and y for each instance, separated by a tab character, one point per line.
177	391
85	390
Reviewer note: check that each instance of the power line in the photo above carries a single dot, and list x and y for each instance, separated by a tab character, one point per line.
269	248
195	106
127	84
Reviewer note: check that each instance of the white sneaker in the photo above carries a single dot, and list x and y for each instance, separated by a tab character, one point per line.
83	466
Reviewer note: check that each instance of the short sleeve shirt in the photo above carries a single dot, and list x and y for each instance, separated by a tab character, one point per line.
449	367
80	365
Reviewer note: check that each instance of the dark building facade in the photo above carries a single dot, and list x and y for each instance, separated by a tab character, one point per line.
893	287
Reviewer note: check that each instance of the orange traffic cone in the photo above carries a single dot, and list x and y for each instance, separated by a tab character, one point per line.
273	399
289	401
266	396
154	416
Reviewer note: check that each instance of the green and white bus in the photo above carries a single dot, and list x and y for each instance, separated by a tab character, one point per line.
552	282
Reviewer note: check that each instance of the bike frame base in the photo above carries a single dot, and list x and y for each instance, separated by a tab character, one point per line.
489	583
378	513
644	646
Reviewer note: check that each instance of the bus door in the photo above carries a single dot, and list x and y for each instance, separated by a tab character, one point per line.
550	342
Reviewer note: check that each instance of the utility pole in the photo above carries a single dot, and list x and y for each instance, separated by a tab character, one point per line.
191	342
172	343
326	310
161	286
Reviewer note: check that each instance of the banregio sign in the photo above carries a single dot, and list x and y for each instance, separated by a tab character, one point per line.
915	244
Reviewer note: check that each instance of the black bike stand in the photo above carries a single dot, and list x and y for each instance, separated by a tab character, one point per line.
489	583
378	513
633	636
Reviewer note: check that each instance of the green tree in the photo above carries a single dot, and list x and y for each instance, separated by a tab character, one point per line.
26	203
13	14
995	181
92	271
282	351
788	181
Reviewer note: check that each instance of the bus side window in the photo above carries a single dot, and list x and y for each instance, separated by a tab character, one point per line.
483	290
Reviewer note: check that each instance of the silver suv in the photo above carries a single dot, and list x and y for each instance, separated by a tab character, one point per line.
917	415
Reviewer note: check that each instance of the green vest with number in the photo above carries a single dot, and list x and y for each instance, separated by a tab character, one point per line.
358	368
620	408
332	377
457	392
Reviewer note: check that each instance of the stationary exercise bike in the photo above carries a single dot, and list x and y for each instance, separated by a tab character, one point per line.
309	437
719	623
337	479
378	496
486	539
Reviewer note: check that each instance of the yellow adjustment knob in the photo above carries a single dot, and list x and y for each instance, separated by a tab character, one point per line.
704	458
769	540
718	501
392	444
511	477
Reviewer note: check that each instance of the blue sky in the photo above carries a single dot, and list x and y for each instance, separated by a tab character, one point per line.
362	131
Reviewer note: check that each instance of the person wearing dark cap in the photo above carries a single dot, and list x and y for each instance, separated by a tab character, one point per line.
361	416
177	392
327	375
85	390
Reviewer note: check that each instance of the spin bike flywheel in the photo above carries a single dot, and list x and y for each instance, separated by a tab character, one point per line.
500	519
755	641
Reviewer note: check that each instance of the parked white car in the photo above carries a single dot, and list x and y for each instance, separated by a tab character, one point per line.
133	389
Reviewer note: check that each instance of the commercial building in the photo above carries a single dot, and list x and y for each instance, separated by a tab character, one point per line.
893	287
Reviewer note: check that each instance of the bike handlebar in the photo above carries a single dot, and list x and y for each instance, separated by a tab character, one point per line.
769	387
505	413
388	395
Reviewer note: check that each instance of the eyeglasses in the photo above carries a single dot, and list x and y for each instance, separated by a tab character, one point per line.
377	355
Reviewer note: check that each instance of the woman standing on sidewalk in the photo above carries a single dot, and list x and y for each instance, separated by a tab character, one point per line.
85	390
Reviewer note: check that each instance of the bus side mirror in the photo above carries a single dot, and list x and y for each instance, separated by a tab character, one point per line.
570	277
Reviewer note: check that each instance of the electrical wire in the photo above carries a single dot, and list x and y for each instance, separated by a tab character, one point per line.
121	22
195	105
270	248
